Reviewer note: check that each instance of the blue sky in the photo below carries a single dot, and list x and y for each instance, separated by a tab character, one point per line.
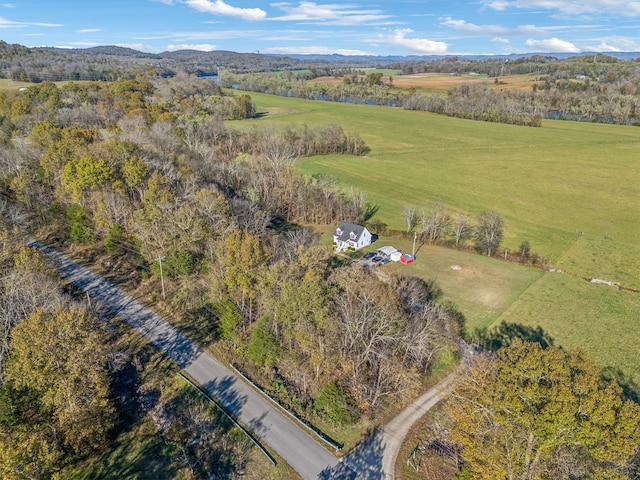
357	27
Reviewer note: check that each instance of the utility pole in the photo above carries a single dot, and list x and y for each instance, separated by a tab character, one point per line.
161	276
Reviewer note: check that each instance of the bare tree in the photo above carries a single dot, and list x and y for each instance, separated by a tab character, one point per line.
435	222
411	217
489	232
461	228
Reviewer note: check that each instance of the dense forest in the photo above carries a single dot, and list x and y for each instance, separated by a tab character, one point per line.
144	170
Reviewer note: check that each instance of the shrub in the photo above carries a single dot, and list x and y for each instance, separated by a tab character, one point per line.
79	227
113	239
263	349
335	405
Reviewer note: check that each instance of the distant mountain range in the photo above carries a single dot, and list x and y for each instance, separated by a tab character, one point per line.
129	52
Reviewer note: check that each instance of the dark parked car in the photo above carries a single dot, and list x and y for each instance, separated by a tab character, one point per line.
369	255
376	259
384	261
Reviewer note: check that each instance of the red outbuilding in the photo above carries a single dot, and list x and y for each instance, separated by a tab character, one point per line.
407	259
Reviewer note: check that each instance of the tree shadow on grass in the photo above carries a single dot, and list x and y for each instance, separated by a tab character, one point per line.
199	325
630	388
131	456
504	334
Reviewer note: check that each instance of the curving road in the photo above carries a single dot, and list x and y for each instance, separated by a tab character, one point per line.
373	459
285	437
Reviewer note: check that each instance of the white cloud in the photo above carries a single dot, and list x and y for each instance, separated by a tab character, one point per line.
89	30
615	44
421	45
218	7
202	47
314	50
333	14
8	5
500	40
571	7
553	45
286	38
201	37
166	2
4	23
140	47
462	26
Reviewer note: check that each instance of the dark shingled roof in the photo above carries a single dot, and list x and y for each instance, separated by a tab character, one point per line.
346	229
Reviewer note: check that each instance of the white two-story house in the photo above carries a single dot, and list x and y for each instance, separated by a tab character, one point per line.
349	235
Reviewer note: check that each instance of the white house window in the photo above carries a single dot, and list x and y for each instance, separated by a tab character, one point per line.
352	236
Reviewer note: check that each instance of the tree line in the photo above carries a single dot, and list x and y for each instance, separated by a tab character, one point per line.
436	225
591	88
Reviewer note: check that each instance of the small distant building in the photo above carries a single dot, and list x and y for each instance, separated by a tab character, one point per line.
395	256
387	251
407	259
349	235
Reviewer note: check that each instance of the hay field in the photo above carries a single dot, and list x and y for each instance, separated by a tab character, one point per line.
442	82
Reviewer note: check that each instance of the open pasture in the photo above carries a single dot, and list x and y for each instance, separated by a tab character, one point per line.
571	189
442	82
12	85
549	184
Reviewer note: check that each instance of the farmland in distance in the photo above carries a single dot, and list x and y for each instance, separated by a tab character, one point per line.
572	190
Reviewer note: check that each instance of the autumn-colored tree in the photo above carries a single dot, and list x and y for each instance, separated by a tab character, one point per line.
29	455
242	258
135	171
84	174
62	355
296	295
44	133
27	284
531	413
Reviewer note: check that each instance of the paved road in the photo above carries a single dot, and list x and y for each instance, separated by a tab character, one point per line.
396	430
284	436
375	458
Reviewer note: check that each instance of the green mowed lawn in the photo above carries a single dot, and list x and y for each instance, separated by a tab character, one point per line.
599	319
571	189
481	288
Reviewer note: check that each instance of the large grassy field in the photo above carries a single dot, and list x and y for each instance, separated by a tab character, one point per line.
441	82
571	189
